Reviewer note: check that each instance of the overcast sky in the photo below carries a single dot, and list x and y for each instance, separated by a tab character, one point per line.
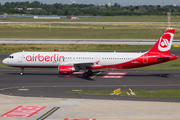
122	2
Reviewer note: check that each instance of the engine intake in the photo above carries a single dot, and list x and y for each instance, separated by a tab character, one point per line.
65	70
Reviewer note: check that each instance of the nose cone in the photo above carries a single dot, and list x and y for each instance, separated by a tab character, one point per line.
5	62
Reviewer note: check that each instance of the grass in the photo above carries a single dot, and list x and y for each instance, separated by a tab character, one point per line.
98	19
10	48
139	93
87	31
80	33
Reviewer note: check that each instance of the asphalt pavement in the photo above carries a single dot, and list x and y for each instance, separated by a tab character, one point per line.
84	41
46	88
49	83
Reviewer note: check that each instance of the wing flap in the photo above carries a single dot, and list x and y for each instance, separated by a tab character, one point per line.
87	64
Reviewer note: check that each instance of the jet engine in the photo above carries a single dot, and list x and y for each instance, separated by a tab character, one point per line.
65	70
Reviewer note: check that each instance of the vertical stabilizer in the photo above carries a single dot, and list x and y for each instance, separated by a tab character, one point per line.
163	45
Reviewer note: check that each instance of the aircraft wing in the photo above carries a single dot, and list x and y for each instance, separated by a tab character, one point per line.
78	64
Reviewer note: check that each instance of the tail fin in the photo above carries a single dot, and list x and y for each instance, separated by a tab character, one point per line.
163	45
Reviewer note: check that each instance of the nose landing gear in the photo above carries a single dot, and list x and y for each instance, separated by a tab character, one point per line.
21	73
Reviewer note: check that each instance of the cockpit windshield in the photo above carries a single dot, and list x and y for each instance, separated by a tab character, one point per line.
11	57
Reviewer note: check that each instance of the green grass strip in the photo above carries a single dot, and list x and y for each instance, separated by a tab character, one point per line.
145	18
139	93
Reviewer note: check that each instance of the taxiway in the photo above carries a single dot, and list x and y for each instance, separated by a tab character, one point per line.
85	41
48	83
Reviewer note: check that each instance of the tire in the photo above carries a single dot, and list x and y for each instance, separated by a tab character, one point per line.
85	74
89	72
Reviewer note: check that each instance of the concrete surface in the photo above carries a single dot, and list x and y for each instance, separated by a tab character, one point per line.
98	109
84	41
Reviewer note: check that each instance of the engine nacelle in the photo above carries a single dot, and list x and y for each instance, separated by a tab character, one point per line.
65	70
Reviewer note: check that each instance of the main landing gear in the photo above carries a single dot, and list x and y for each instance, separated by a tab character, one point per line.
21	73
88	73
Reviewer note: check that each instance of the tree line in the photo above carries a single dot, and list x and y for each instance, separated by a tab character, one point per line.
85	9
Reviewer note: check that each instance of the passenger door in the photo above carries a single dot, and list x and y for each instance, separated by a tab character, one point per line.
20	57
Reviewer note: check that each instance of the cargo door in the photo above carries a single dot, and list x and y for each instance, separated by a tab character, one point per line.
145	59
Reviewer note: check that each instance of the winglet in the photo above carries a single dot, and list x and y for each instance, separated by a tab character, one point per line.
163	45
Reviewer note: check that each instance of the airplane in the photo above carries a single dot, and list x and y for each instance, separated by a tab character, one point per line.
69	62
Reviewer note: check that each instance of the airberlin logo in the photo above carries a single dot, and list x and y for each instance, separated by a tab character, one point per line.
165	42
47	58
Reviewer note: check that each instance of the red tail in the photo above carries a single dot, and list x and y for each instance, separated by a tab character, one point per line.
163	45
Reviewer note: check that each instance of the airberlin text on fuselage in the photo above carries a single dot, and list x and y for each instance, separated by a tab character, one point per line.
47	58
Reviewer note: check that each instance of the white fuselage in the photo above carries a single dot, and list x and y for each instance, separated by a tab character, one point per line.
54	59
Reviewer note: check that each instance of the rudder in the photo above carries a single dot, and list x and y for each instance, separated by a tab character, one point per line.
163	45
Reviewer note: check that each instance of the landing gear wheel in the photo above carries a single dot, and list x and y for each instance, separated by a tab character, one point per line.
85	74
22	71
89	72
